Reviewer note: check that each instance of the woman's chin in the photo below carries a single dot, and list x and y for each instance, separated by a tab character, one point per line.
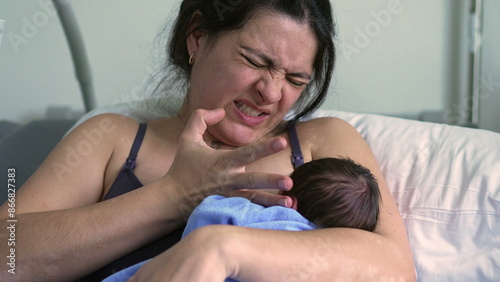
237	136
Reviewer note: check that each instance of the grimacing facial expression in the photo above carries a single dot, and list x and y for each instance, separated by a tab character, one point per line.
255	73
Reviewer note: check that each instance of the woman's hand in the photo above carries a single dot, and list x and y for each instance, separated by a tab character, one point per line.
201	171
198	257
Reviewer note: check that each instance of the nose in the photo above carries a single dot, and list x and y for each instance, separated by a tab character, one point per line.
269	87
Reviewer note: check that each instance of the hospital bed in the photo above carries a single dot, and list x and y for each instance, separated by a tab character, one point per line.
445	180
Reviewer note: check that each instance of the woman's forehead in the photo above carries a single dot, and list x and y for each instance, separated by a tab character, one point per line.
289	43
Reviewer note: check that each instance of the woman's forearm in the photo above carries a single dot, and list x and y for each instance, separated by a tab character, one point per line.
67	244
319	255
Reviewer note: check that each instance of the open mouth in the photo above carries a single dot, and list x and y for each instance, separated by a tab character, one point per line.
246	109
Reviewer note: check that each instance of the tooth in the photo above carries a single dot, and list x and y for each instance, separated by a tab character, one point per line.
248	110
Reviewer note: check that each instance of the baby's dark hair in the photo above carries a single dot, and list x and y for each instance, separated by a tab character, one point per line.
336	192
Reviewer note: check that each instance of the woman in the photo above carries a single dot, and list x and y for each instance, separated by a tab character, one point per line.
248	64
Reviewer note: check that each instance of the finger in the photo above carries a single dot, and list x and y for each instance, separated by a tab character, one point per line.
294	199
264	198
261	180
251	153
294	203
200	120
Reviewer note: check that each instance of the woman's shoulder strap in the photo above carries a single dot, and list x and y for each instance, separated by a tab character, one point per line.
131	160
297	158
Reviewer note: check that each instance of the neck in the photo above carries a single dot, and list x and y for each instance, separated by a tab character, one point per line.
212	142
183	114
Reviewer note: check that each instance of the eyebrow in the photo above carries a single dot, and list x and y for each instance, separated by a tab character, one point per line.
270	62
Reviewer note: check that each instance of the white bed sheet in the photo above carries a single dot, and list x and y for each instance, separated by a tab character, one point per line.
446	183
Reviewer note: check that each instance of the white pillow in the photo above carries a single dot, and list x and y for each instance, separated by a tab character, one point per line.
446	183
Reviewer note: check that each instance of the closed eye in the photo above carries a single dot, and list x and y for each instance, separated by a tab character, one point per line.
296	83
293	82
253	63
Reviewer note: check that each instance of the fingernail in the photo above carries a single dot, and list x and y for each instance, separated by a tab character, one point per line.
283	203
277	145
282	184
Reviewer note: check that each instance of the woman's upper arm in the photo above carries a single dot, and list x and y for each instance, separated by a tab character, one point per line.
72	175
337	138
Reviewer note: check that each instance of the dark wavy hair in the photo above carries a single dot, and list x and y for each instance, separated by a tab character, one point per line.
336	192
222	16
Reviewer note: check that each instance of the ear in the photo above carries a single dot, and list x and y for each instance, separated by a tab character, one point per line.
195	35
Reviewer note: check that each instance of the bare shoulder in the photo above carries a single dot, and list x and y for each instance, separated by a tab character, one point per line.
330	137
72	175
110	124
100	136
104	133
326	123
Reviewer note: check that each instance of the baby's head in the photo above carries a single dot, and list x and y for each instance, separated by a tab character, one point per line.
336	192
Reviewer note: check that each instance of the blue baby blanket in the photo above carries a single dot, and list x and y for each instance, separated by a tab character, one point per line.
234	211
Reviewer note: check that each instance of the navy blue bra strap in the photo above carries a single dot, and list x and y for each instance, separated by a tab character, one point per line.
297	158
131	160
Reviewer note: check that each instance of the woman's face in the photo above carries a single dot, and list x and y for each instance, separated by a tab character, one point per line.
255	73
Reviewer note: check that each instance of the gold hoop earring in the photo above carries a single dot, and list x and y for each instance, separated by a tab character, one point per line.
191	59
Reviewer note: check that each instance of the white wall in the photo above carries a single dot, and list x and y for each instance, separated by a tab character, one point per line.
397	56
490	77
35	65
400	56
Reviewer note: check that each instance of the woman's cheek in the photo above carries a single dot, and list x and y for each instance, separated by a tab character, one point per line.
289	98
